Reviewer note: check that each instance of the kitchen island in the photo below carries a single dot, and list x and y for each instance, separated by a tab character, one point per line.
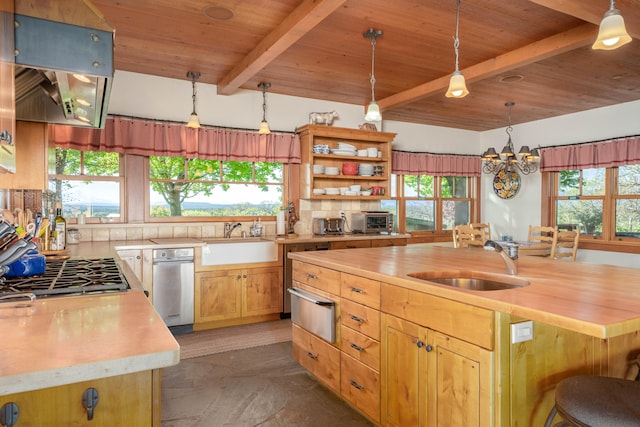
55	349
413	352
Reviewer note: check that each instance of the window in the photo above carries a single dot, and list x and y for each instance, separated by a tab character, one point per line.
85	182
181	187
435	203
604	202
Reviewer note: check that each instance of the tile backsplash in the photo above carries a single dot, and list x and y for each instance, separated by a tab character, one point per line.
309	209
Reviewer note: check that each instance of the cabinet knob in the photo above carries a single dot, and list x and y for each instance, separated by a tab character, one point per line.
420	344
428	348
9	414
90	401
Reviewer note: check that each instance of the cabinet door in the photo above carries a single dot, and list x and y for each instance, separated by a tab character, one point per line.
459	383
218	295
133	258
403	373
262	291
125	400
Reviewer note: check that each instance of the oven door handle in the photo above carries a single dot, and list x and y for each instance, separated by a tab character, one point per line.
309	297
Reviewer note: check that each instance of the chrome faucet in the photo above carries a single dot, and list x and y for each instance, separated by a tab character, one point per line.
228	229
512	267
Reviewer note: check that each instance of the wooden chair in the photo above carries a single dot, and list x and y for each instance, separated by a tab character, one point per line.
542	241
481	226
567	245
465	236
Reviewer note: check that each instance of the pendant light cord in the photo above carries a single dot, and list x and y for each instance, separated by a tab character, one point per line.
373	56
193	97
264	105
456	40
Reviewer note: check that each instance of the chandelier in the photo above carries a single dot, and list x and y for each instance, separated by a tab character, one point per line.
507	160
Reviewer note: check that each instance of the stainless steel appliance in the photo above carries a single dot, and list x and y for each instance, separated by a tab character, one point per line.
288	276
173	279
68	278
328	226
372	222
314	313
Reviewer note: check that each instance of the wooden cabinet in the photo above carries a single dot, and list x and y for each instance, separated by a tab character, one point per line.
317	356
237	293
130	400
431	379
330	136
133	258
367	243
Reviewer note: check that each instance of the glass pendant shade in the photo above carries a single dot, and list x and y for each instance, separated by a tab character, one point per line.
612	33
264	128
457	86
194	122
373	112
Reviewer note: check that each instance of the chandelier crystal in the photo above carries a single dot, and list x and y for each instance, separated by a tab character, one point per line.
507	160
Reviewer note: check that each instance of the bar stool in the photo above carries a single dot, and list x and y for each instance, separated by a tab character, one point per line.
594	401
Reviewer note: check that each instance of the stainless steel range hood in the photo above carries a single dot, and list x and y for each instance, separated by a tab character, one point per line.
63	72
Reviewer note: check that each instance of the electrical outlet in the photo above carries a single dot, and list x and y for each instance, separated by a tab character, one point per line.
522	331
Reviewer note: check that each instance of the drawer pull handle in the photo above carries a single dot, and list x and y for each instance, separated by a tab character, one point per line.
356	318
357	347
360	291
311	276
356	385
312	356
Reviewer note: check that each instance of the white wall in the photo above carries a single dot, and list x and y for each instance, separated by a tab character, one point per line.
169	99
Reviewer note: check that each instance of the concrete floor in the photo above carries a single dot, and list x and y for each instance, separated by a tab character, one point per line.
259	386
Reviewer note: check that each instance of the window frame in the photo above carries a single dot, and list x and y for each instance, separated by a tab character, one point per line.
607	241
439	234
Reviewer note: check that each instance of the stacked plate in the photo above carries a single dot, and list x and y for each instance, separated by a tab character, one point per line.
343	152
332	191
345	146
365	169
331	170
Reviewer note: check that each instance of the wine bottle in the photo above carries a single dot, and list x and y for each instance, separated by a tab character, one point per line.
60	226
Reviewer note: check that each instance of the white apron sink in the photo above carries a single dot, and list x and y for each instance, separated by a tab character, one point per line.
238	251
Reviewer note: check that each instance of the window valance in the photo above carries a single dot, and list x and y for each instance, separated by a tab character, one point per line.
601	154
408	163
154	138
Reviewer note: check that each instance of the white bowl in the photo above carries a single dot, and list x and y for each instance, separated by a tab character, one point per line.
373	152
318	169
363	153
318	191
332	191
352	193
331	170
365	193
355	187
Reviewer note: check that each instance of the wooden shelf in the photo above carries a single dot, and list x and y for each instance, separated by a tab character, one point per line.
311	135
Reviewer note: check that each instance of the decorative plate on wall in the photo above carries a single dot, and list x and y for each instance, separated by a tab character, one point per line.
506	184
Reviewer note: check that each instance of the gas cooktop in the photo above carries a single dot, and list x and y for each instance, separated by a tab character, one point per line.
69	277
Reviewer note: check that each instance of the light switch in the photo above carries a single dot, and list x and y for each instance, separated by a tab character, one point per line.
522	331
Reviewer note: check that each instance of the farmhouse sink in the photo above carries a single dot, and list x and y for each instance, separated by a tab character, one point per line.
238	251
472	280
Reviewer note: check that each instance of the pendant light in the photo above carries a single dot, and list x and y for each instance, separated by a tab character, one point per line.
612	33
264	126
457	86
373	111
194	122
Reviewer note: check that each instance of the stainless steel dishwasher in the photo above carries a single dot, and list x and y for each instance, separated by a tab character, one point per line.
173	282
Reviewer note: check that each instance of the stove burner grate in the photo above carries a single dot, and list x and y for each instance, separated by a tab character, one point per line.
70	277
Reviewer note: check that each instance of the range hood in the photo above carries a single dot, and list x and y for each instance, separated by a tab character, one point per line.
63	72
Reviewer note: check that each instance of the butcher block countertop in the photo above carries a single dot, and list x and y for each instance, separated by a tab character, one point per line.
65	340
597	300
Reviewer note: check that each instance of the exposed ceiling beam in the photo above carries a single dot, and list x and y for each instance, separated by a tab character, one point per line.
303	19
592	12
536	51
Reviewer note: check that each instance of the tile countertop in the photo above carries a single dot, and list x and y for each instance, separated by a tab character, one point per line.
597	300
65	340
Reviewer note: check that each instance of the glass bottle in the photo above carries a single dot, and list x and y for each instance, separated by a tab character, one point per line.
60	227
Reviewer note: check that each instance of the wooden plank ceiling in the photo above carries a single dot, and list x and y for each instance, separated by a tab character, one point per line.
536	53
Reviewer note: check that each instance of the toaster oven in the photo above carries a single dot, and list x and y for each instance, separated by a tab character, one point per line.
372	222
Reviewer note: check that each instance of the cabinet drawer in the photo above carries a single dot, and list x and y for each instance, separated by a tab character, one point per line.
318	277
360	318
317	356
469	323
359	289
360	386
360	347
350	244
379	243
